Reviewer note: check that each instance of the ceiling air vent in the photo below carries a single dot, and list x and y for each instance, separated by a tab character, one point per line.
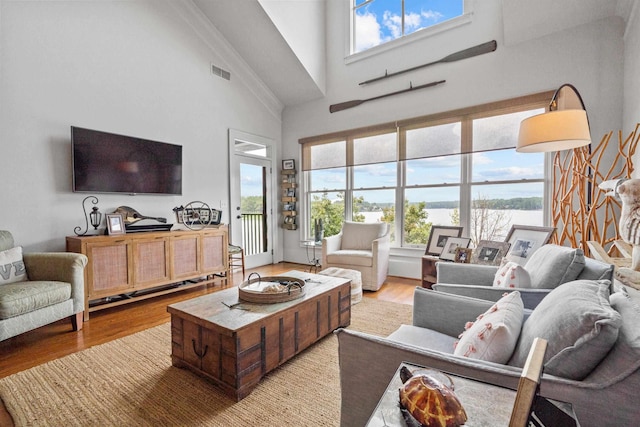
217	71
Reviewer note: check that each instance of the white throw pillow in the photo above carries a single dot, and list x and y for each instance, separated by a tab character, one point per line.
11	266
494	334
512	275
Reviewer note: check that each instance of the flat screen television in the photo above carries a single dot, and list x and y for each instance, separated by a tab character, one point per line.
109	163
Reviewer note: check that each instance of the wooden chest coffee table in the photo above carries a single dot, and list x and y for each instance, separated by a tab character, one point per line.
235	347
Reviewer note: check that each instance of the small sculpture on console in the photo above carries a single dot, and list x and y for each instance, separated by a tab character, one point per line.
628	190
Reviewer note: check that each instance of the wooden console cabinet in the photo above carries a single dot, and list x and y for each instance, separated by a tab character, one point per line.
120	267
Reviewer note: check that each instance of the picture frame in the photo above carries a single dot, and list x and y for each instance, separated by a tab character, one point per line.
525	240
438	238
489	252
288	164
216	216
449	250
115	224
463	255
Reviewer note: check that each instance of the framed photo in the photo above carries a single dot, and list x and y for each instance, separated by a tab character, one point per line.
438	238
291	192
288	164
525	240
216	215
115	224
489	252
451	246
463	255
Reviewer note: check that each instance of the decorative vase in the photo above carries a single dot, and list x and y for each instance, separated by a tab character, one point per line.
319	230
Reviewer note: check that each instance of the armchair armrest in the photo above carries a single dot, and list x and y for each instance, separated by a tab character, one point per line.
330	244
59	266
467	274
445	313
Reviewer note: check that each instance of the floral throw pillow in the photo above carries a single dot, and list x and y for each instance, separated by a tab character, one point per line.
512	275
494	334
11	266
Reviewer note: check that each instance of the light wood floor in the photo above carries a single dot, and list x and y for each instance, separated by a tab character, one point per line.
57	340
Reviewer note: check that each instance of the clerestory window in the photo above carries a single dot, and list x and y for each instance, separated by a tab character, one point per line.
375	22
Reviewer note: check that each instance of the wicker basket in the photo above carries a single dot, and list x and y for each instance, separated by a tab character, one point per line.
252	289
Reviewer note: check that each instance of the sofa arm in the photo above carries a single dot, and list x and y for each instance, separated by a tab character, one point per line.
445	313
330	244
62	267
466	274
367	364
530	297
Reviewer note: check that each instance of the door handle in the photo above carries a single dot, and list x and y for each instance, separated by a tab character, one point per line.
239	217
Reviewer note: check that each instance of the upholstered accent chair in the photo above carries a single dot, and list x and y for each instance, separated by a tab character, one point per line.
38	288
363	247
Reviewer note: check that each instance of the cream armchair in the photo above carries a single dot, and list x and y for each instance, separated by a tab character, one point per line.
52	288
363	247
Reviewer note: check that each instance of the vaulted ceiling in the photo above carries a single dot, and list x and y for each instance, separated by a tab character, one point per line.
250	31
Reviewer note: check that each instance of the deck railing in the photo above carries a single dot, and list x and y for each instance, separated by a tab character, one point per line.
253	232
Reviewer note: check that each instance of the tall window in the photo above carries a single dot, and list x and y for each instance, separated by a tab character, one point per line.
379	21
456	168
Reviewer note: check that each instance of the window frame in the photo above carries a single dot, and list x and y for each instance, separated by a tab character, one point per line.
450	24
466	117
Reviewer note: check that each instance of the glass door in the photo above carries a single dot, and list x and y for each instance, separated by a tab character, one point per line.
251	195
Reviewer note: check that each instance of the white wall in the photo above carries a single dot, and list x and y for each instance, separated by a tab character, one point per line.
303	26
134	68
588	57
631	77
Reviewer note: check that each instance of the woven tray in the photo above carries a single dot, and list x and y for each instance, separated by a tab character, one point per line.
253	290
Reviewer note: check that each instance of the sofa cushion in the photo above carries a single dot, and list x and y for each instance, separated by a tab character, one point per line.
552	265
359	235
423	337
11	266
23	297
580	327
351	257
512	275
624	357
494	334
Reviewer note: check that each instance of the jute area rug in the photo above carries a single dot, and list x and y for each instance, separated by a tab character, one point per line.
130	382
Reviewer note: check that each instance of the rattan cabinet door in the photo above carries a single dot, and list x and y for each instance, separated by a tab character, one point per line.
109	269
151	261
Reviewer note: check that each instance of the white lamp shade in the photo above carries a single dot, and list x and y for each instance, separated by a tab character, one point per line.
554	131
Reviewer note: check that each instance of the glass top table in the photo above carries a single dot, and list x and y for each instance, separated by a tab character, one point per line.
485	404
312	257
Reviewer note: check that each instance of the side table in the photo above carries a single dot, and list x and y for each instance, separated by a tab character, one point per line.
429	273
486	405
312	257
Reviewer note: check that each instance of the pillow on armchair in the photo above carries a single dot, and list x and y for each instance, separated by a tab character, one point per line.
359	235
552	265
11	266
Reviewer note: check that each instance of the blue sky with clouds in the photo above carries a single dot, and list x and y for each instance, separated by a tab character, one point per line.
380	21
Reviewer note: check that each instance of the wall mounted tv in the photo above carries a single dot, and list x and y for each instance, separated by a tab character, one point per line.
108	163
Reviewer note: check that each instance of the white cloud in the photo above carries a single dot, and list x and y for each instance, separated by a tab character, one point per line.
432	15
412	21
367	31
393	23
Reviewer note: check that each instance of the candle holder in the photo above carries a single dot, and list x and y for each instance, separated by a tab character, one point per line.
94	216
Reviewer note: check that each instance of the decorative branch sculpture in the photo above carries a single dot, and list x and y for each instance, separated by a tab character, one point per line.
577	175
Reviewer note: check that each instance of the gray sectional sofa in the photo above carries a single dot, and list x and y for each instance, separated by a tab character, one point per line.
548	267
604	359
